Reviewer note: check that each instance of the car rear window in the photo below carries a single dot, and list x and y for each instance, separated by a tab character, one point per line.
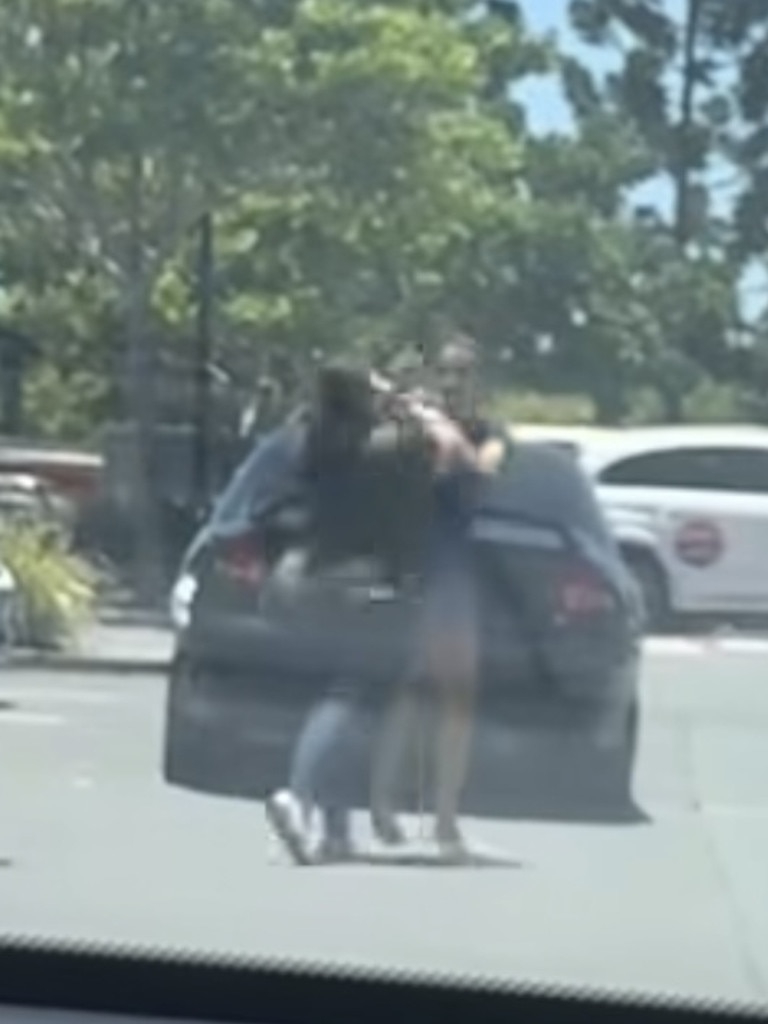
544	485
257	478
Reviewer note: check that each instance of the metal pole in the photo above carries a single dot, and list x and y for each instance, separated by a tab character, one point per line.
202	410
682	170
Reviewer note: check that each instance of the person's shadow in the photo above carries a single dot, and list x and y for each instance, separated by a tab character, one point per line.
415	855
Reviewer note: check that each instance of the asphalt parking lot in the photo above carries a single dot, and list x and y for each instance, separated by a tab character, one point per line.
96	847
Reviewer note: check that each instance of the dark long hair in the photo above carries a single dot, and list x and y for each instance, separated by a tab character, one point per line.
341	416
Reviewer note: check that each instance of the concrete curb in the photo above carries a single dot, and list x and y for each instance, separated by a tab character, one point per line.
81	663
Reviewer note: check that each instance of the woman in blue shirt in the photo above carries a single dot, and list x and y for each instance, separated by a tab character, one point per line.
447	641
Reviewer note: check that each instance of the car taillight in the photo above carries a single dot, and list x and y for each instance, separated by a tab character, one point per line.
241	559
581	593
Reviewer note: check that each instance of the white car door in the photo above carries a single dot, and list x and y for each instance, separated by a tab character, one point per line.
707	512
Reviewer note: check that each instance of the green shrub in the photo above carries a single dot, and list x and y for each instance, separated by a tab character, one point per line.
537	407
57	589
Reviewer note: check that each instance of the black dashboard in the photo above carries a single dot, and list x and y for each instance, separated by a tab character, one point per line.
47	984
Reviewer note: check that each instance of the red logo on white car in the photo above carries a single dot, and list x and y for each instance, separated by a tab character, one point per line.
699	543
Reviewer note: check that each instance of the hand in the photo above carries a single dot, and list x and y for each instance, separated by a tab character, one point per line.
491	456
451	446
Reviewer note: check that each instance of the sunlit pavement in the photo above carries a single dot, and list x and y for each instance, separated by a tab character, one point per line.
97	848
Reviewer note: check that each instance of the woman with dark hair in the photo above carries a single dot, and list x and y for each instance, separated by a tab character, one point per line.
367	472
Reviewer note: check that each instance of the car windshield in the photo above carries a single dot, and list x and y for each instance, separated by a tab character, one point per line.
384	485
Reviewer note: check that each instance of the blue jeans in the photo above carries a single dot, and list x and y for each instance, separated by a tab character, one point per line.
317	765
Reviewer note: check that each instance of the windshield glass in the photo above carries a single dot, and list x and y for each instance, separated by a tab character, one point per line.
384	449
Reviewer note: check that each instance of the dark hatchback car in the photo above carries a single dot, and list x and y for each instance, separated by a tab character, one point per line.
557	718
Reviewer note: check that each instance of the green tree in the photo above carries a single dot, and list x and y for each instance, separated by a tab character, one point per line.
122	126
665	87
126	124
409	172
739	32
667	108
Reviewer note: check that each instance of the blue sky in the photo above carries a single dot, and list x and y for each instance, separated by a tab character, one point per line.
546	105
548	112
547	108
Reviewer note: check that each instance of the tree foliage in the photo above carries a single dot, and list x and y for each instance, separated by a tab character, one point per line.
371	177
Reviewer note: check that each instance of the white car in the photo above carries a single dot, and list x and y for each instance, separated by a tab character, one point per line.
688	506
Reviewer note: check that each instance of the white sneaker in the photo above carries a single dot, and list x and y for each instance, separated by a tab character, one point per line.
286	816
452	847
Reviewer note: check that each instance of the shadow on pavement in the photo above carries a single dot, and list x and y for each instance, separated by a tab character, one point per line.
557	810
477	859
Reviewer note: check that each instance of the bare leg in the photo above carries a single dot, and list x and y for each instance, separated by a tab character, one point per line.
454	664
395	739
447	658
453	745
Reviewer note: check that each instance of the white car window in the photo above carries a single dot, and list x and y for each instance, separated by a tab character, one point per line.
741	470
